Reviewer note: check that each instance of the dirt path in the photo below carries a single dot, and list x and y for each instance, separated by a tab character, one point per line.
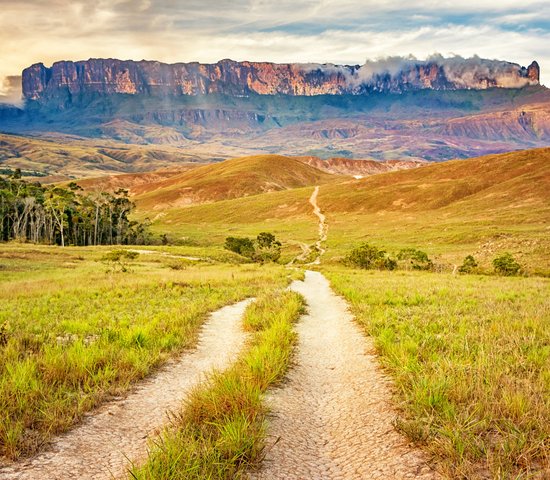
100	447
323	227
318	245
333	417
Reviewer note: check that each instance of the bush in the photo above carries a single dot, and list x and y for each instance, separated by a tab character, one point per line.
269	248
119	259
415	259
241	245
370	257
266	248
469	265
506	265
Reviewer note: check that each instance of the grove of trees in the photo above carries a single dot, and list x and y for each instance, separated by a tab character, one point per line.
59	215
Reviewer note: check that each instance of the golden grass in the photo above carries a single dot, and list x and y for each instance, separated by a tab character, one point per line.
234	178
72	335
470	359
482	206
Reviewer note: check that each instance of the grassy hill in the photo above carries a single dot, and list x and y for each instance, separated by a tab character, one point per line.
480	206
235	178
61	157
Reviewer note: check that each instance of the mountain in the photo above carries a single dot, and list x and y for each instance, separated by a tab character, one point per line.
65	82
397	109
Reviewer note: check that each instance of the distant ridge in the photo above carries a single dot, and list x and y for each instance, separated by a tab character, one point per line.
66	79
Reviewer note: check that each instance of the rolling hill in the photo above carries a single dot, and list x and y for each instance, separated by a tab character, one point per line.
235	178
58	157
477	206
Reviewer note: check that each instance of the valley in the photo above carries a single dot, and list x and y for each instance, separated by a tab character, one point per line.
340	271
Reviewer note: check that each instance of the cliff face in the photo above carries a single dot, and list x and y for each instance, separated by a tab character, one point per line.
66	79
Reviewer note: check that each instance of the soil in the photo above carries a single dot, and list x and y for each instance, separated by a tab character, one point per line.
333	418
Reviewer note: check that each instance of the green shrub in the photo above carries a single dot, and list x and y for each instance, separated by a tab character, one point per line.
370	257
266	248
241	245
469	265
119	259
415	259
506	265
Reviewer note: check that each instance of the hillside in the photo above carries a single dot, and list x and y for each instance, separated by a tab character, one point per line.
135	183
482	205
59	157
235	178
492	182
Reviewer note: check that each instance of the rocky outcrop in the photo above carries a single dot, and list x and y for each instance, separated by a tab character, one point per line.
66	81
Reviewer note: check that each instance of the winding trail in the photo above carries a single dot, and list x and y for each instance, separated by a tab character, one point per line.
323	232
332	419
323	227
116	433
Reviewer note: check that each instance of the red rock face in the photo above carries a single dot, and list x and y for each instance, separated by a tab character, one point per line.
533	72
109	76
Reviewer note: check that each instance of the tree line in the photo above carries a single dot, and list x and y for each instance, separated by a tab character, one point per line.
53	214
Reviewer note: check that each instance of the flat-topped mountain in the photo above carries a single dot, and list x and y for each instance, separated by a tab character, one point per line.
395	109
67	79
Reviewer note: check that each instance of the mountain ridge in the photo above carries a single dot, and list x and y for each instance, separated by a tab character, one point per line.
65	80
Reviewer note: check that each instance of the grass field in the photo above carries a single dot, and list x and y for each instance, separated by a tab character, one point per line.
482	207
220	431
470	357
72	334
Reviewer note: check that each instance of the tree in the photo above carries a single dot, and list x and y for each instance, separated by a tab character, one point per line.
415	259
506	265
269	248
370	257
468	265
54	214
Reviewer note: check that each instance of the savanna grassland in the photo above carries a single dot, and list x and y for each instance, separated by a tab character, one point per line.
481	206
470	359
75	331
468	355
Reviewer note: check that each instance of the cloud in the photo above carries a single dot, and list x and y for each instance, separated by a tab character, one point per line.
10	90
335	31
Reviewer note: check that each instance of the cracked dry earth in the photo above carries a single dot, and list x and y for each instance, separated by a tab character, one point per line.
333	417
117	433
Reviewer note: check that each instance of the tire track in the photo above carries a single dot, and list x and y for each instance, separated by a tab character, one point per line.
333	419
117	432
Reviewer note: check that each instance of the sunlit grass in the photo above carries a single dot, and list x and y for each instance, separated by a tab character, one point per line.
74	335
470	357
221	428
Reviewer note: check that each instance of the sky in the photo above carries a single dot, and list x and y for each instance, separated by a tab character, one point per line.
322	31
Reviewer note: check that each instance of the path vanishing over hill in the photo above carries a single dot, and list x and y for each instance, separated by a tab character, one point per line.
117	433
323	227
333	418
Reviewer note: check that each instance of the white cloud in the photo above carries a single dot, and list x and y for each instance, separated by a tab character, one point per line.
300	30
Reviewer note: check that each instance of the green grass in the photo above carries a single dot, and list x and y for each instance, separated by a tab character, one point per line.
470	357
74	335
220	430
482	207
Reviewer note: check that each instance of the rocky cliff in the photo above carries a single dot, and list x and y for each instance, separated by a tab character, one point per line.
66	80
